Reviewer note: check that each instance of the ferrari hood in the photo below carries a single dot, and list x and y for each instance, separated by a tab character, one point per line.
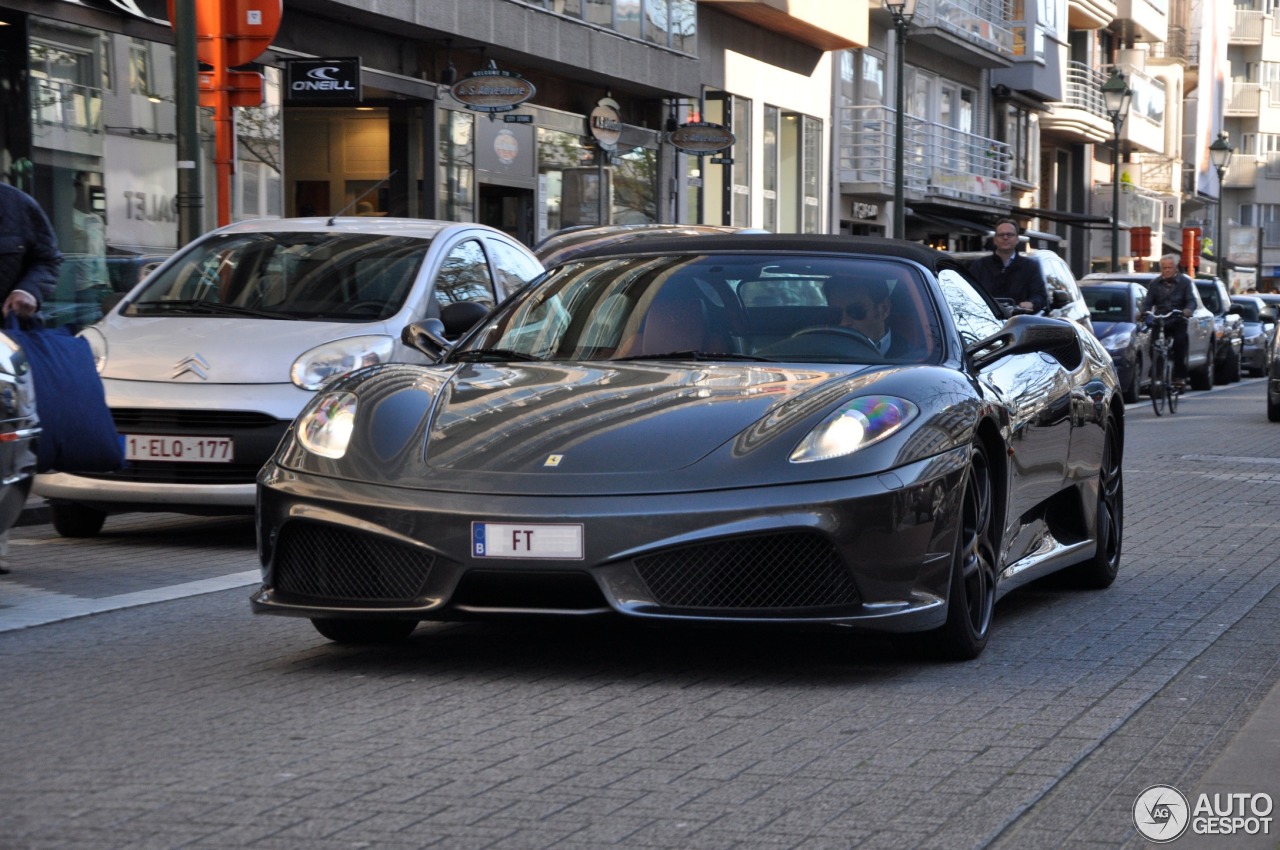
619	418
214	349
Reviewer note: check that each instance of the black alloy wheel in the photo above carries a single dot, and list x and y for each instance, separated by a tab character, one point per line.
1100	570
72	520
972	597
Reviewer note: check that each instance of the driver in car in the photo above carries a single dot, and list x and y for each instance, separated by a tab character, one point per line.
864	306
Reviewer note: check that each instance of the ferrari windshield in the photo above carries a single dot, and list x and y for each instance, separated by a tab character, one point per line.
322	276
792	308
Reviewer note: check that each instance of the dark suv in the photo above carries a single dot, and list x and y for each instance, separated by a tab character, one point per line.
1228	329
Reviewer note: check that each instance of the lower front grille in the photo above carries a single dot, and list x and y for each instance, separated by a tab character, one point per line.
333	564
780	571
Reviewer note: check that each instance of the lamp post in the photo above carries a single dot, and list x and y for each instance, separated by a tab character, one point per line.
1115	98
903	11
1220	155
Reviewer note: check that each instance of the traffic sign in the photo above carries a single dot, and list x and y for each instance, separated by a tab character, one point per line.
247	26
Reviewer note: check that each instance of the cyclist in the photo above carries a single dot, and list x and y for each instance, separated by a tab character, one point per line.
1172	293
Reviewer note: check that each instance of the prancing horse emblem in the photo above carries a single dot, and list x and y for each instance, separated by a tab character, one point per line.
195	364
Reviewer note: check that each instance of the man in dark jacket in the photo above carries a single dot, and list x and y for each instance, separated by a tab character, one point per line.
1172	293
29	256
1007	274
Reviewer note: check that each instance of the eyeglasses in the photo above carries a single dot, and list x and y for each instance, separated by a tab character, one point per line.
1007	234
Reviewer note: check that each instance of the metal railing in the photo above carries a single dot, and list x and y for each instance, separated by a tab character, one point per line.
981	22
937	159
1245	99
70	106
1084	89
1249	27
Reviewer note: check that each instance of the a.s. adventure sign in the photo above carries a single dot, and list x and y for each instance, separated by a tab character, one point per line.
492	90
701	137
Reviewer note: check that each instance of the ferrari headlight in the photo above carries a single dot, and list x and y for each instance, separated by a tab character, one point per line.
858	424
325	362
325	427
1118	341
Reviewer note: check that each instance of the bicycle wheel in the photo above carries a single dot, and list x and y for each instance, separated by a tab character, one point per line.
1157	382
1171	389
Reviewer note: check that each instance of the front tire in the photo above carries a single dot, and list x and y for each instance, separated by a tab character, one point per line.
1273	404
72	520
363	631
1130	392
1100	570
972	597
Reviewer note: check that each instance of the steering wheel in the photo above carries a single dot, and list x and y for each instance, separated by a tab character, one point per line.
369	306
840	331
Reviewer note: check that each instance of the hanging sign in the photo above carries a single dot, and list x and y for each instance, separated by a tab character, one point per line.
604	124
491	90
701	137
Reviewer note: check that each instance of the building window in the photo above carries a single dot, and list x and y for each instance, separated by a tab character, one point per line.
740	169
668	23
457	165
1021	131
769	168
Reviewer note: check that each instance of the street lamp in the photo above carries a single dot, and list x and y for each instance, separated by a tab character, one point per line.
903	11
1115	98
1220	155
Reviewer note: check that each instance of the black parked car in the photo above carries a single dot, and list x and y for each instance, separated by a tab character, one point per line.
1113	308
689	430
1258	323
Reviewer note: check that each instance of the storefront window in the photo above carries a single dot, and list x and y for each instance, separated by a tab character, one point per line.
567	181
635	197
457	165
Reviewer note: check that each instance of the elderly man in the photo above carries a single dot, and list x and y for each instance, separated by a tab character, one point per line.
1172	293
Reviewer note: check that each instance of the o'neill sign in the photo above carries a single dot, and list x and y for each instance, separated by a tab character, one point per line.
491	90
323	80
701	137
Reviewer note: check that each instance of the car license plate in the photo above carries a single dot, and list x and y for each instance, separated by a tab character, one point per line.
556	541
169	447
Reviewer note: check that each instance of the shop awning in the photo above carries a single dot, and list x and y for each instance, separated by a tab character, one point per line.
1078	219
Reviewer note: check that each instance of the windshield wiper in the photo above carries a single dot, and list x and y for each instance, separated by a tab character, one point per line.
212	308
488	355
696	355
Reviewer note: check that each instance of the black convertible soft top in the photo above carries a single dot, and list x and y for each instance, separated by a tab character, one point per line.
765	243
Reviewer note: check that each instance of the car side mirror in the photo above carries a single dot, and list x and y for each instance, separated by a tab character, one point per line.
110	301
427	337
1008	305
1236	310
1059	299
1028	334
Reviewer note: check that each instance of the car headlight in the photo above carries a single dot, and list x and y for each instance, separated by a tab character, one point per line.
98	345
1118	341
325	427
859	423
323	363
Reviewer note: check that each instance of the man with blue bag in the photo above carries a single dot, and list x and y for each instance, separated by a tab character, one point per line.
77	433
29	256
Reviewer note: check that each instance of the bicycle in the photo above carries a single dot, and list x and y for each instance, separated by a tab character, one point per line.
1163	389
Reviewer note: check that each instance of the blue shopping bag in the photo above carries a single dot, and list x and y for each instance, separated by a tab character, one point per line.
77	431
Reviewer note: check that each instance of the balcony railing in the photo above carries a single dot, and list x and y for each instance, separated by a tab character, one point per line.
981	22
867	149
1245	100
966	166
1084	89
68	106
937	160
1248	27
